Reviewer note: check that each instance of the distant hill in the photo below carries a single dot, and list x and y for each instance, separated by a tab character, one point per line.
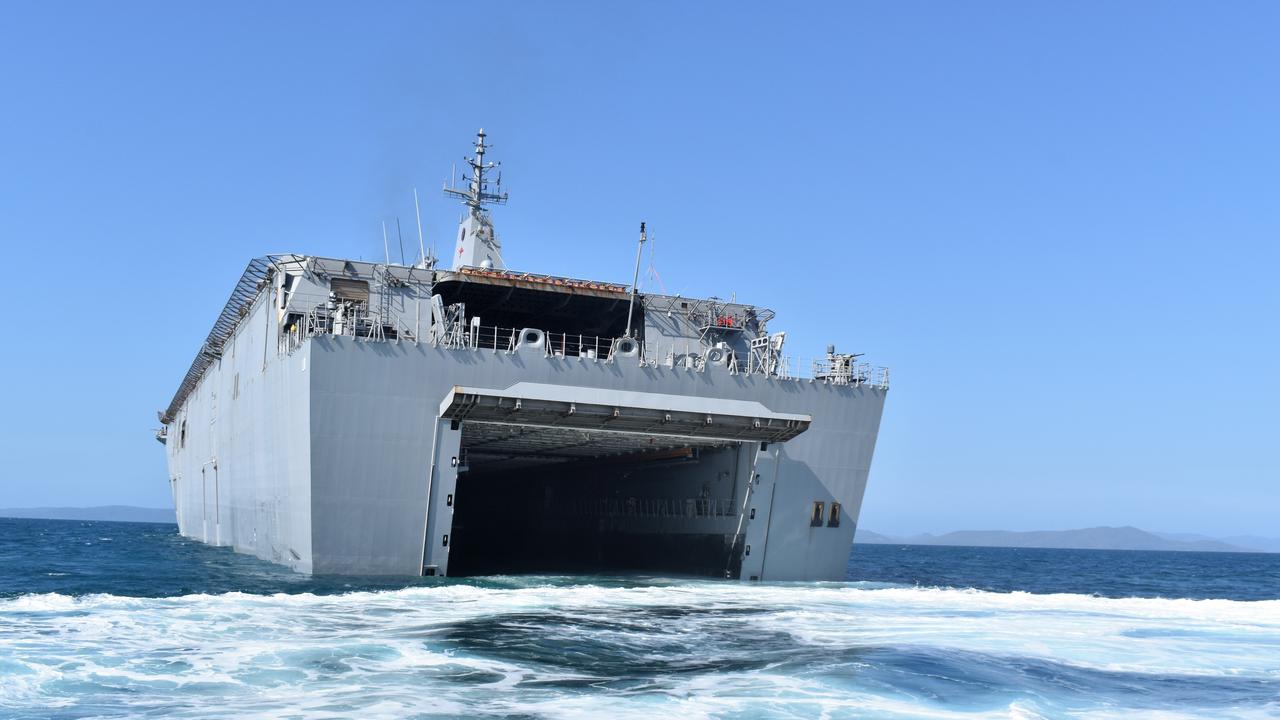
874	538
1253	542
110	513
1249	542
1097	538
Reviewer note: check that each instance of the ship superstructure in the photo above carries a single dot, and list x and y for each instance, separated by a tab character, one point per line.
350	417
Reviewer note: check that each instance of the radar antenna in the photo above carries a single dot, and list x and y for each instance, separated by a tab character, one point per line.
477	193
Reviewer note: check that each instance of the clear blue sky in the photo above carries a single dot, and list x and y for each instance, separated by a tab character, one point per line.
1057	223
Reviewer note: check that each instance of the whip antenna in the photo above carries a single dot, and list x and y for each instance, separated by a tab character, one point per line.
635	279
421	247
400	236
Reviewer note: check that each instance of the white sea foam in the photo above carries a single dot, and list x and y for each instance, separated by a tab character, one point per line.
696	650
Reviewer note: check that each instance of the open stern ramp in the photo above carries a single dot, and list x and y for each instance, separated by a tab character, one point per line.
574	469
639	413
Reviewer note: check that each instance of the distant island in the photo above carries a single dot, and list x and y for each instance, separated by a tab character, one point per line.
1095	538
109	513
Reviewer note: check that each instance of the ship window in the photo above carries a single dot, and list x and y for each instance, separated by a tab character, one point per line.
182	434
833	520
818	507
347	289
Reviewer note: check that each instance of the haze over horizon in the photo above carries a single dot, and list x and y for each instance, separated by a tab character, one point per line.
1056	225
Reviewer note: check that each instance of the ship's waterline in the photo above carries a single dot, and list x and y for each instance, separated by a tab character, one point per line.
361	418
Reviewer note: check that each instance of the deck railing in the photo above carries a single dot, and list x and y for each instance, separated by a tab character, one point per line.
359	323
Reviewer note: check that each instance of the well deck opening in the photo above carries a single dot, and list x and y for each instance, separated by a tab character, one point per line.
546	500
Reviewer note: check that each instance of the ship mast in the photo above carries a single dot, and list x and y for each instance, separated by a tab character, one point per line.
478	244
477	192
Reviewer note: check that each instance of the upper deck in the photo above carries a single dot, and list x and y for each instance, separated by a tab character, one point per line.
478	304
486	309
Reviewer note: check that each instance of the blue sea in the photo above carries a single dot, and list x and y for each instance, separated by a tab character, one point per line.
110	620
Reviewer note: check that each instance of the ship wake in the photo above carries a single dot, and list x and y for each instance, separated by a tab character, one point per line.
571	648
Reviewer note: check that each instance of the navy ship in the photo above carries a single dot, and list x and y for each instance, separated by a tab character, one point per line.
362	418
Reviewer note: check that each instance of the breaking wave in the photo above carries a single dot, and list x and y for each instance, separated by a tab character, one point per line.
568	648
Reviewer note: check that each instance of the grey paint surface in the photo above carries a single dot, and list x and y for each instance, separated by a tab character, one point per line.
327	454
239	449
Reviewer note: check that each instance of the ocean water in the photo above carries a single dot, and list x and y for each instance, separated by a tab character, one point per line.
129	620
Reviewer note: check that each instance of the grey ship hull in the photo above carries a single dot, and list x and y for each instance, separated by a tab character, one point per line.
335	458
346	417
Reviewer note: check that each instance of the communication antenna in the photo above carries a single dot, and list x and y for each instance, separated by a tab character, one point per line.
652	272
400	235
386	249
421	247
635	279
477	192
